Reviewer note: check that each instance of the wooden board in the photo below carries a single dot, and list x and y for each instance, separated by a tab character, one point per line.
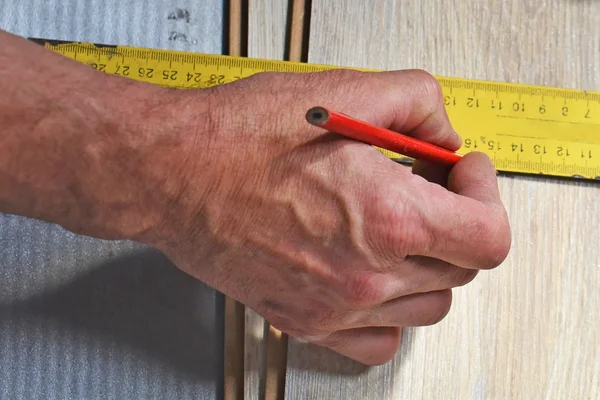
528	329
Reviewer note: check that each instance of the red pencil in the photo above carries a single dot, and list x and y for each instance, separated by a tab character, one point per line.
380	137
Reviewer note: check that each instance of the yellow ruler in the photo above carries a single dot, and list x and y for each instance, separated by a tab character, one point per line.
524	129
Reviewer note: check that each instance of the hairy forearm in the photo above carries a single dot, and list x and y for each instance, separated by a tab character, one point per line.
76	144
47	109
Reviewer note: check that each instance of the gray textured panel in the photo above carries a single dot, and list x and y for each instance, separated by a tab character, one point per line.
182	25
88	319
84	318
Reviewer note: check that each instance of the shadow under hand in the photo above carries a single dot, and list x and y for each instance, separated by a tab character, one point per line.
142	301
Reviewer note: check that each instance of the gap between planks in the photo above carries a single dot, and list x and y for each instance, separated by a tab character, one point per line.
277	342
233	374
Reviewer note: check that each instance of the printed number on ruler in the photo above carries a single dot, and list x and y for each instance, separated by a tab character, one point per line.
524	129
528	129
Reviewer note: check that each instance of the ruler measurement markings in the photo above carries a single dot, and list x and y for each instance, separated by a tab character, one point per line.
473	103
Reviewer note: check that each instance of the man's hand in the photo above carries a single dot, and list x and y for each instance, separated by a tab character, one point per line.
325	237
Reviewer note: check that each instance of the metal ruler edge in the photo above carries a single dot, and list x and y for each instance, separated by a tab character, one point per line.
524	129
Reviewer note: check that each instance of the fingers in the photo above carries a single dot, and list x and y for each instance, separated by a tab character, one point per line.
415	275
406	101
464	224
419	309
370	346
467	225
417	108
376	337
425	274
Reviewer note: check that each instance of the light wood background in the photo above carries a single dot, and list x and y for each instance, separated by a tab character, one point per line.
530	328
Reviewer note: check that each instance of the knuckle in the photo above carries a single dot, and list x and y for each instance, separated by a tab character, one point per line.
429	82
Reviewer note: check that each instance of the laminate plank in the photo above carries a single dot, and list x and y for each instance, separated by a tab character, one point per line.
186	25
267	31
528	329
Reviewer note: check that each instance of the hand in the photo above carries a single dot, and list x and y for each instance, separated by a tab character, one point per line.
325	237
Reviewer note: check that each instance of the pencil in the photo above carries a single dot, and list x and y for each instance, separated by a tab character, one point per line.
380	137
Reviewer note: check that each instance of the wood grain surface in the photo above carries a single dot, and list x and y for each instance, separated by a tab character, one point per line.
529	329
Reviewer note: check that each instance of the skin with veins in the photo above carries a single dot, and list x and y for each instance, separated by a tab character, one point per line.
325	237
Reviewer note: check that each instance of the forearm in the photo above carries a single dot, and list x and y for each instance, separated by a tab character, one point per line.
40	112
74	143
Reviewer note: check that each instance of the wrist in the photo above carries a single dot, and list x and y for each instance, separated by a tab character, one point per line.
163	138
127	179
106	159
100	155
106	180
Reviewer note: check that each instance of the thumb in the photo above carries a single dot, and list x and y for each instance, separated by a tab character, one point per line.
469	217
474	176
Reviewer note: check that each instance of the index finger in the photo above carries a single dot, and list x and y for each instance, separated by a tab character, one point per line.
406	101
431	123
